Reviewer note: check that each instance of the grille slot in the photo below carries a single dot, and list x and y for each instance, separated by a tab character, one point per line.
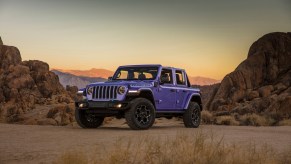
104	92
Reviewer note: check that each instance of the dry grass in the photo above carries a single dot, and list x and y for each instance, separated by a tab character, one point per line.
285	123
255	120
226	120
207	117
196	148
72	157
250	119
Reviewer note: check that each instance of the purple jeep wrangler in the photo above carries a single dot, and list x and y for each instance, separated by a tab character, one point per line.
140	93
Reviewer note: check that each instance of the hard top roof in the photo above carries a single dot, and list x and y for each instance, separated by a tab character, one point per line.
150	65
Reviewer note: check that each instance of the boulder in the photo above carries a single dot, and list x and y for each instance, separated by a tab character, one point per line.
279	87
253	94
266	73
72	90
18	77
47	82
62	114
47	121
25	84
285	107
265	91
8	56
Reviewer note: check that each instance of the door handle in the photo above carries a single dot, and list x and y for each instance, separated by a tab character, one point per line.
172	90
184	91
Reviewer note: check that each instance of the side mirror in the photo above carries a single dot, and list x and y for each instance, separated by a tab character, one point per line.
160	81
110	78
156	84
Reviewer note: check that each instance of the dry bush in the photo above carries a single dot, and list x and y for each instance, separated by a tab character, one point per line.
255	120
207	117
72	157
273	117
226	120
285	123
184	148
285	157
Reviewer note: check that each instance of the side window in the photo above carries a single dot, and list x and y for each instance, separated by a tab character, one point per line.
180	78
167	76
142	75
122	75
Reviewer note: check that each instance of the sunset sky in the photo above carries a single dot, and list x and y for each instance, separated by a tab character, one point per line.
207	38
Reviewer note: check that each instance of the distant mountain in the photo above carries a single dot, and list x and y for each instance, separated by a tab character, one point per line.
102	73
73	80
198	80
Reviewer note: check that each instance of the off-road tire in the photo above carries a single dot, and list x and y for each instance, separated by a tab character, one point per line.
192	116
141	114
86	120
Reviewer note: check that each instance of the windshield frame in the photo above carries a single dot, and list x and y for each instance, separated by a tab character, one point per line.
136	67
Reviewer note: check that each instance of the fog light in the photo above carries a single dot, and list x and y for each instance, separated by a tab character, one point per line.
82	105
118	105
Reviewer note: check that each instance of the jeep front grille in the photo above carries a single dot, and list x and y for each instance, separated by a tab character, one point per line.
104	92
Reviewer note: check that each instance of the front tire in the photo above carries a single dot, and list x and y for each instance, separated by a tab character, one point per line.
192	116
87	120
141	114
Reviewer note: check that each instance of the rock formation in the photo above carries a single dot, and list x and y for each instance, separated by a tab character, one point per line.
262	82
25	85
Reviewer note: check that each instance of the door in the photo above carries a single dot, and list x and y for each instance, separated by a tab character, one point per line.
182	89
165	97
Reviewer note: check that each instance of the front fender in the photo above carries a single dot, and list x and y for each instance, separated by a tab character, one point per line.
190	97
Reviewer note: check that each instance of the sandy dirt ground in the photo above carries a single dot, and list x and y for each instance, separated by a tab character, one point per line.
44	144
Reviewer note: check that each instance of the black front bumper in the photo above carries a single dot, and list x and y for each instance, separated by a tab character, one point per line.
103	108
97	105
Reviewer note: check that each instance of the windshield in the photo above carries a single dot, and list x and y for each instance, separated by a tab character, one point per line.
136	73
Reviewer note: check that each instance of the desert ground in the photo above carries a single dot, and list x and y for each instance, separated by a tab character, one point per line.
44	144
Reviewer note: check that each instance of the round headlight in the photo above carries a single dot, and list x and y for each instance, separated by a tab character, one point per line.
89	90
121	90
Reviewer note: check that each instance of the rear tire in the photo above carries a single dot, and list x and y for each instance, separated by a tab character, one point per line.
87	120
141	114
192	116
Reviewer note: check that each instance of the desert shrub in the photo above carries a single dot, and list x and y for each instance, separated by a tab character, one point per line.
285	156
72	157
184	148
273	117
286	122
226	120
207	117
198	148
255	120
